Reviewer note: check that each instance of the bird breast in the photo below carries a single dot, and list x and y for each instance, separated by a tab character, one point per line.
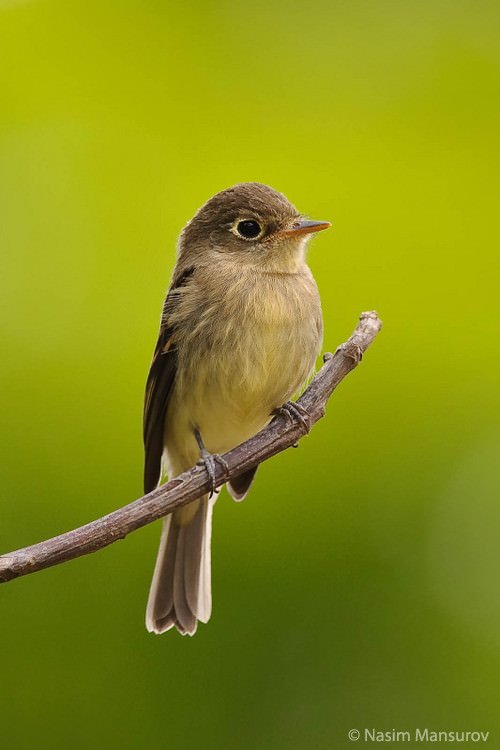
246	346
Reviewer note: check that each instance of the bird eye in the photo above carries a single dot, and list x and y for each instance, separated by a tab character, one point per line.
249	229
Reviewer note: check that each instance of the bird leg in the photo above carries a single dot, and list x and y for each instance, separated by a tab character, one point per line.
208	460
295	412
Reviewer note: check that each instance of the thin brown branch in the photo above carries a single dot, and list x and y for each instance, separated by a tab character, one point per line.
281	433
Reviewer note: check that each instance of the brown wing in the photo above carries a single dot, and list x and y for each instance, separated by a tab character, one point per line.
239	485
159	387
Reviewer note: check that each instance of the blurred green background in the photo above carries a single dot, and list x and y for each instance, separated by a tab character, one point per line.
358	586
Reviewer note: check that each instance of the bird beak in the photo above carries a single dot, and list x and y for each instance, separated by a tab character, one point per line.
307	227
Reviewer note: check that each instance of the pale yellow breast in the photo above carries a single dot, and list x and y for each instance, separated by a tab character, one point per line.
247	353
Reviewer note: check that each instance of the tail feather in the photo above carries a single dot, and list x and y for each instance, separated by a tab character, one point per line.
197	562
162	583
186	618
205	600
180	592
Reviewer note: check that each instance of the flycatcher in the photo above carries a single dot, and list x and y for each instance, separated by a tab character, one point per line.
240	332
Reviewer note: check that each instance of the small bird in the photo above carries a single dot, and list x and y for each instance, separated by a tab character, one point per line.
240	332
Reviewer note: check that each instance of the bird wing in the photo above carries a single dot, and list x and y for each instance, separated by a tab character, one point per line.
159	386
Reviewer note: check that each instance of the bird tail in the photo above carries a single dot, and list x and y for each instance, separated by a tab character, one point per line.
180	593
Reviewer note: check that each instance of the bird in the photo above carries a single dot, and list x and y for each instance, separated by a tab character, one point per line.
240	332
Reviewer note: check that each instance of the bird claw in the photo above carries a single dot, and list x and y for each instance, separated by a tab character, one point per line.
208	460
351	350
295	412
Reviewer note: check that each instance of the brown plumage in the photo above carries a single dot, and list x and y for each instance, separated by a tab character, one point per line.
240	331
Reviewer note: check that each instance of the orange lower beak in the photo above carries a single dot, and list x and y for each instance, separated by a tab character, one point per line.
307	227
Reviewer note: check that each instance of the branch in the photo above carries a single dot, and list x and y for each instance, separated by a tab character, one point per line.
281	433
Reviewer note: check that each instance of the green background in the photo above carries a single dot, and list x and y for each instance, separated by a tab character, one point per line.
358	585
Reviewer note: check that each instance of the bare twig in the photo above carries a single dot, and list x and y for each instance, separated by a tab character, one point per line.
281	433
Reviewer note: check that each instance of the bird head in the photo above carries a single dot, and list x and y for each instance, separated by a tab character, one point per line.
252	224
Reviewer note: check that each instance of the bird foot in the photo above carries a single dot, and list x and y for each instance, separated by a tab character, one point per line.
209	461
295	412
351	350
